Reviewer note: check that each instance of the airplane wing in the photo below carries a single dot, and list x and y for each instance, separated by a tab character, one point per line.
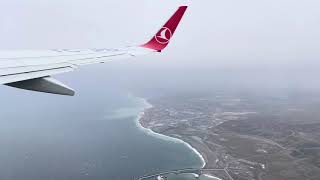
33	70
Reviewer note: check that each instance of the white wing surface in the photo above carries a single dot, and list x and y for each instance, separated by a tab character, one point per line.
32	70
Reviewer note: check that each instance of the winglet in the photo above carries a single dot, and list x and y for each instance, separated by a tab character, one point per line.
163	36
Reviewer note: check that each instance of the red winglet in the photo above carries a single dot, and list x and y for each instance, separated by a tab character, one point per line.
162	38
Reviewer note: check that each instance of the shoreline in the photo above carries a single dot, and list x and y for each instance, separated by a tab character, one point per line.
149	131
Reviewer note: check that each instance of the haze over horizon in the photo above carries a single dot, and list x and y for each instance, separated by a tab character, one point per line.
216	33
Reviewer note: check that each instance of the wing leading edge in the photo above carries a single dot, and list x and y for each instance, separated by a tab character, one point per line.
32	70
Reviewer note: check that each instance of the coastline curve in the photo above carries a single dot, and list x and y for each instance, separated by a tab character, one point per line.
148	131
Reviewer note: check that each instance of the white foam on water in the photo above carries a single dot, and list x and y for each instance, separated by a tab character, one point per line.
211	177
147	105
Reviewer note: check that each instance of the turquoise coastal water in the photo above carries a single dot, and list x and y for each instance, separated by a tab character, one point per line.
82	138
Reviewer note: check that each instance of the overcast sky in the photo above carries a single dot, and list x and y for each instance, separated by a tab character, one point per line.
213	33
220	44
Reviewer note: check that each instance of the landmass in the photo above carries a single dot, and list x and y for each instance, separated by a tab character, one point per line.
245	136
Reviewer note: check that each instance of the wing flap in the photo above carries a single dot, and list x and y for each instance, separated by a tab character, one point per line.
26	69
33	75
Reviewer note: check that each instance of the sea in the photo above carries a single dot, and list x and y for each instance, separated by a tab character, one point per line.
89	137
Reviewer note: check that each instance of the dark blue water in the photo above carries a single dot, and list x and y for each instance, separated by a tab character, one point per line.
87	137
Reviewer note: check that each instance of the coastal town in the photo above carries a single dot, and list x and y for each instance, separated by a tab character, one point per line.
241	136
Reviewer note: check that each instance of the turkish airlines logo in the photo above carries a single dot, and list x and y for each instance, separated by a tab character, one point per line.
163	36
